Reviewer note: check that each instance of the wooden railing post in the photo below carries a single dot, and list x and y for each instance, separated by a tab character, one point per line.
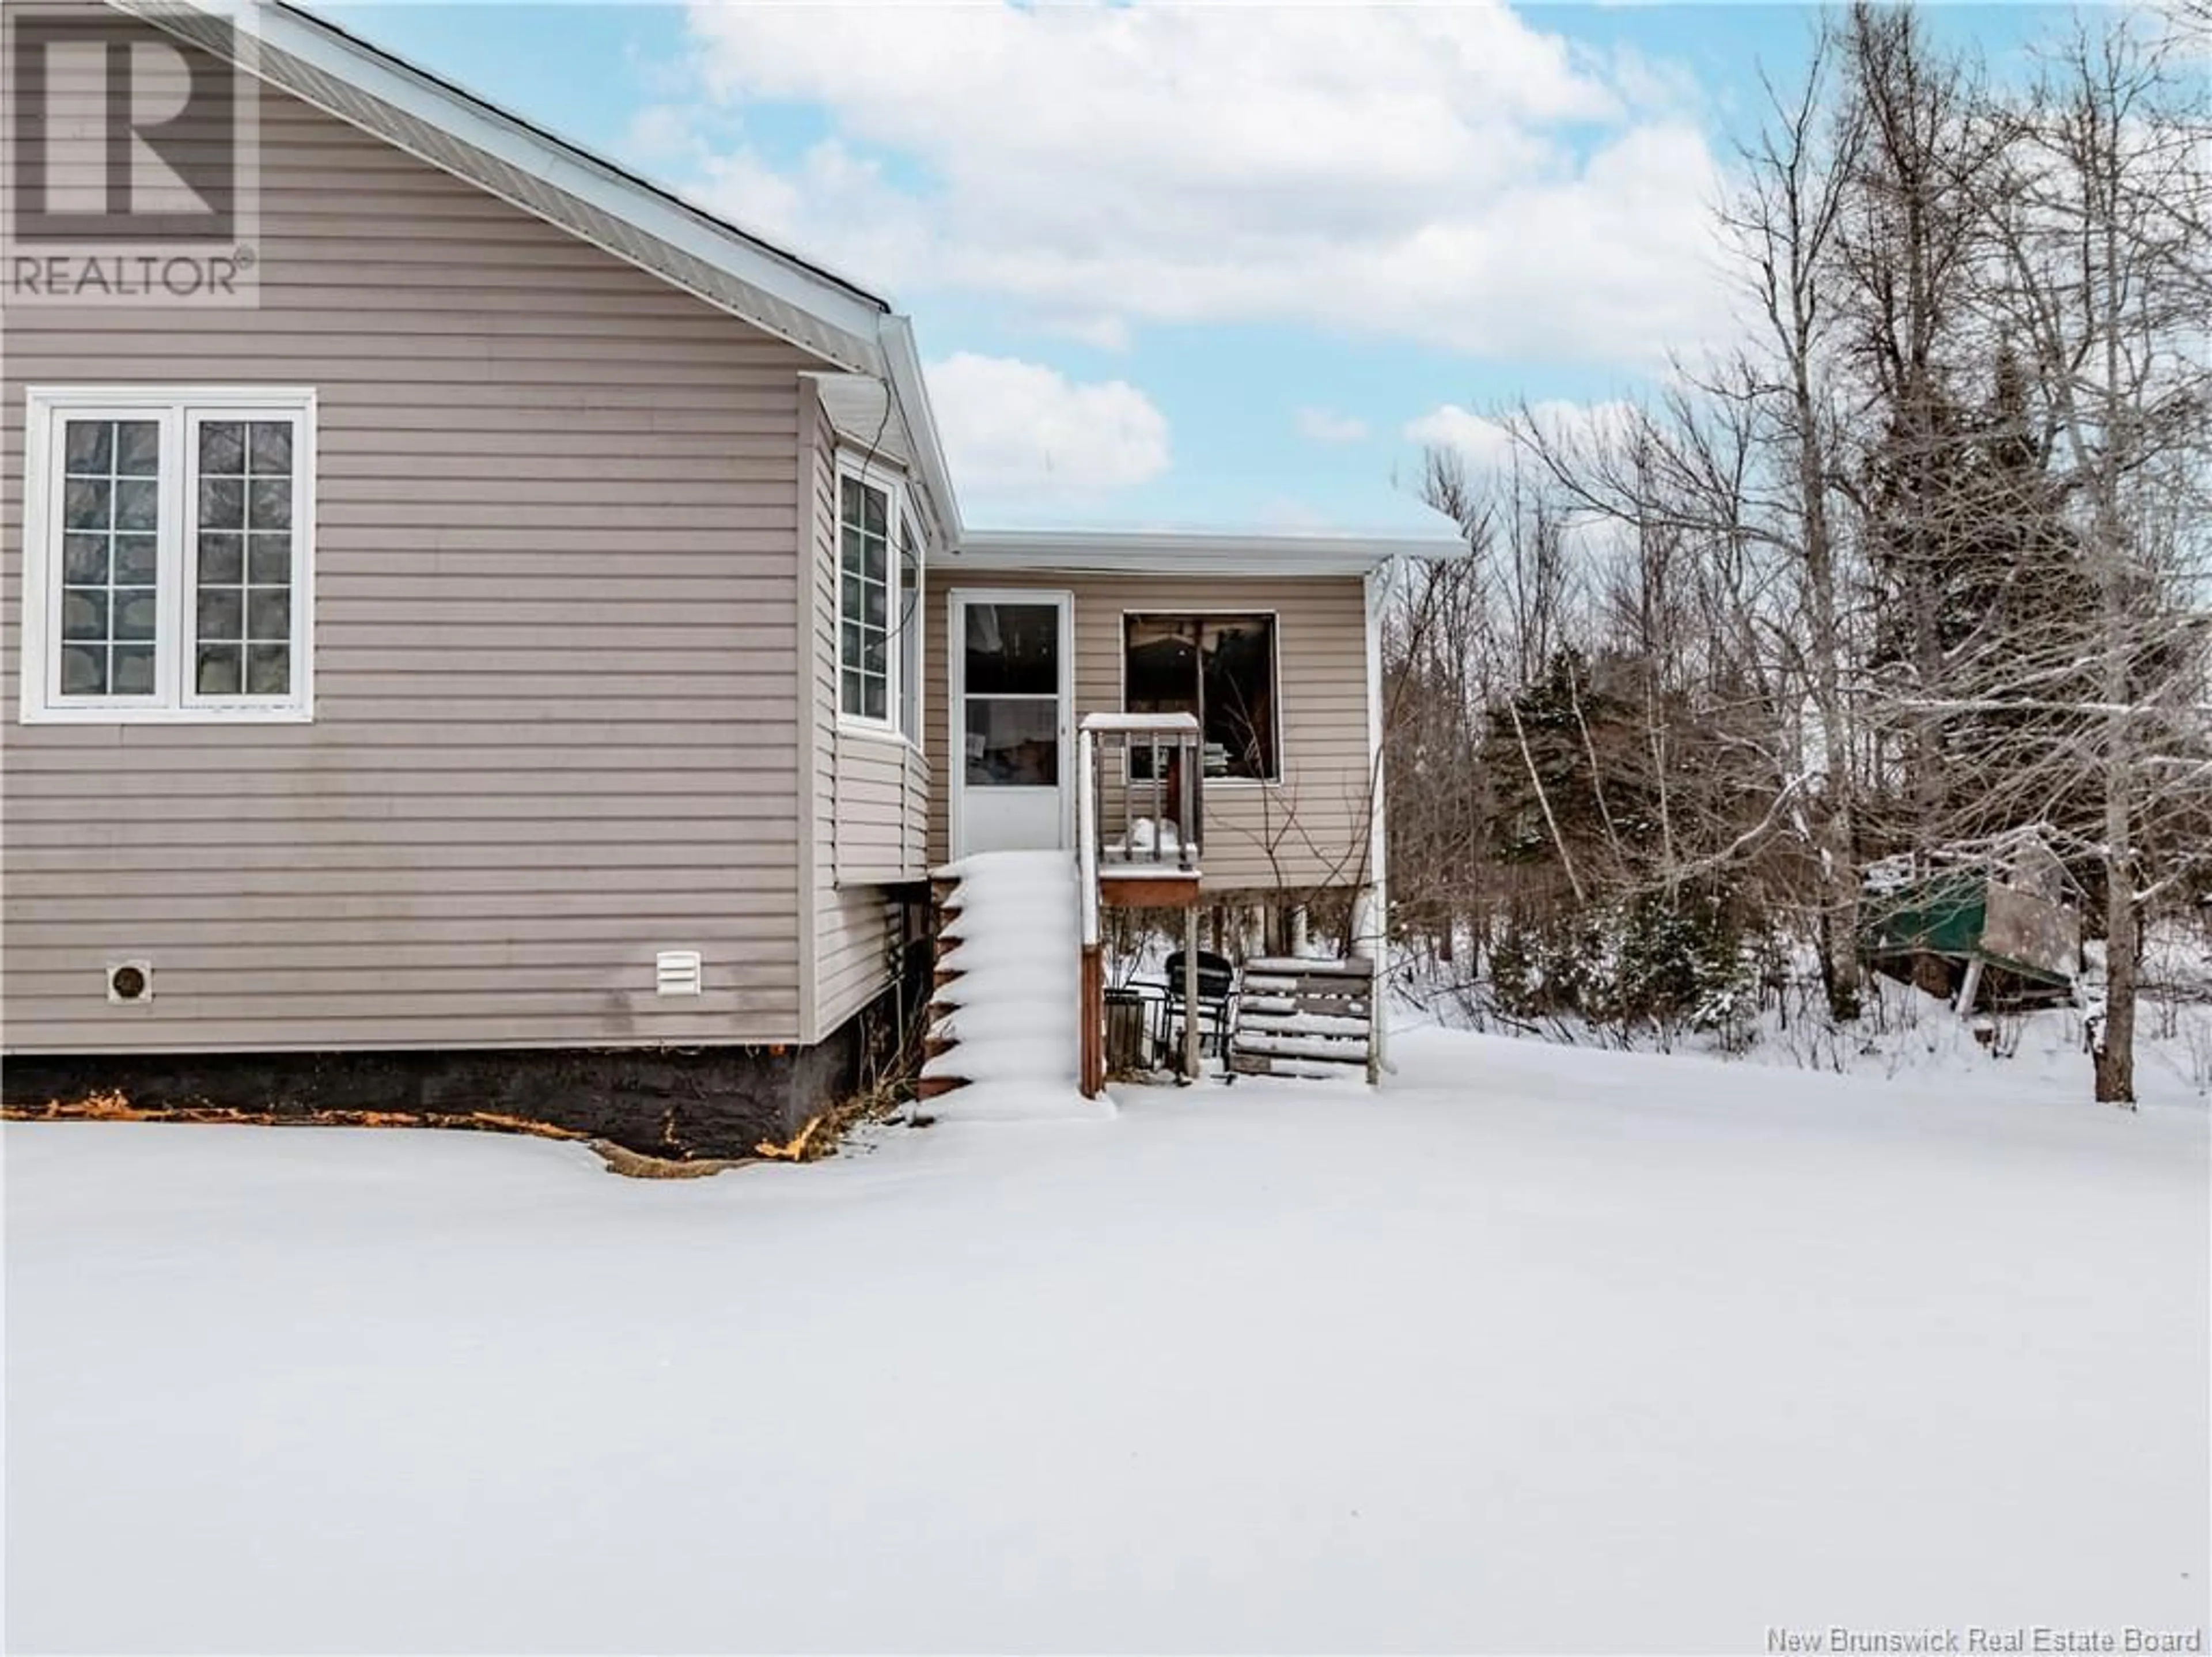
1091	1054
1192	762
1159	795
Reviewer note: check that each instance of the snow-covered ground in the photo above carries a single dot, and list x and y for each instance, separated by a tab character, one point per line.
1538	1349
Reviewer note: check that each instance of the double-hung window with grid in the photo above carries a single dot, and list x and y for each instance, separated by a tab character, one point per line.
879	591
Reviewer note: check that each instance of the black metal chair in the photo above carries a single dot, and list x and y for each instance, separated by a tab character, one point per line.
1217	991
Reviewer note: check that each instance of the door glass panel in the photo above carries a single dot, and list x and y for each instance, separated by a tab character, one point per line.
1013	742
1012	649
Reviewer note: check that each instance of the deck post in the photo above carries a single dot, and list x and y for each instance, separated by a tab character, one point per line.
1091	1046
1190	1031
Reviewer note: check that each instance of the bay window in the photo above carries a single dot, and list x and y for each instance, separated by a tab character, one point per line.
863	600
879	605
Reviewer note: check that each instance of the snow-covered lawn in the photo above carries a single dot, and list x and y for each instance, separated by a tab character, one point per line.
1540	1350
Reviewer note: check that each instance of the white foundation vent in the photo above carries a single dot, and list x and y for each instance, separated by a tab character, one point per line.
679	972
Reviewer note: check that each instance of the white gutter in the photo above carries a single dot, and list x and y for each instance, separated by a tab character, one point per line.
1168	552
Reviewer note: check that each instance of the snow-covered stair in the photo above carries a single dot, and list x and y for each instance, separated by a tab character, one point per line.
1003	1015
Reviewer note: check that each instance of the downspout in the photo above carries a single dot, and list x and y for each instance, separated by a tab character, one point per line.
1377	586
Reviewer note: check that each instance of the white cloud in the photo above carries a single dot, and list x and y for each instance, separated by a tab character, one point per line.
1481	440
1324	426
1450	174
662	132
1487	444
1101	331
1022	433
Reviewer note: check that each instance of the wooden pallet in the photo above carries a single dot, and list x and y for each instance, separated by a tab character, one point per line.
1303	1018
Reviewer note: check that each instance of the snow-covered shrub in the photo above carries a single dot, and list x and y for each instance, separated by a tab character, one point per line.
1516	982
1648	964
1552	970
1674	961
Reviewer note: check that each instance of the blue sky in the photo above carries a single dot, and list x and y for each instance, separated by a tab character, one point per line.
1198	266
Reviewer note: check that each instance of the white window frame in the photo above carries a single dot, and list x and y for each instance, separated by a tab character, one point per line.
898	520
177	411
910	628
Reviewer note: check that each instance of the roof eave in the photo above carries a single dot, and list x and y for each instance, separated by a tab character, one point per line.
1172	553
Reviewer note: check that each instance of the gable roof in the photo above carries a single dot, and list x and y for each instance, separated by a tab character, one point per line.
831	318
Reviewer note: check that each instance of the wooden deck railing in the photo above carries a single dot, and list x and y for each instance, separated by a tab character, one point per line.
1153	863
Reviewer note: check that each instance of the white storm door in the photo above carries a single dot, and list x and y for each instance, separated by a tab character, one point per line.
1011	659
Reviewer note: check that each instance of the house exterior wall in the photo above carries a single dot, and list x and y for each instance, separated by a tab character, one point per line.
1308	830
558	658
868	790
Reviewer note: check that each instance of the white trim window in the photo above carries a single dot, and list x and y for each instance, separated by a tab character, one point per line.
879	599
864	600
168	555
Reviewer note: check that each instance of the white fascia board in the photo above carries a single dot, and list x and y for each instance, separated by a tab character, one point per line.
277	32
1168	553
909	393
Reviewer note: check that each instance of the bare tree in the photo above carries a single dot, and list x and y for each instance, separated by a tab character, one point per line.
2096	217
1919	562
1789	225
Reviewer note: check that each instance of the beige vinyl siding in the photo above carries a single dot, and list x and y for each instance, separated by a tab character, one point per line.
915	794
871	823
557	725
869	790
855	964
1311	829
